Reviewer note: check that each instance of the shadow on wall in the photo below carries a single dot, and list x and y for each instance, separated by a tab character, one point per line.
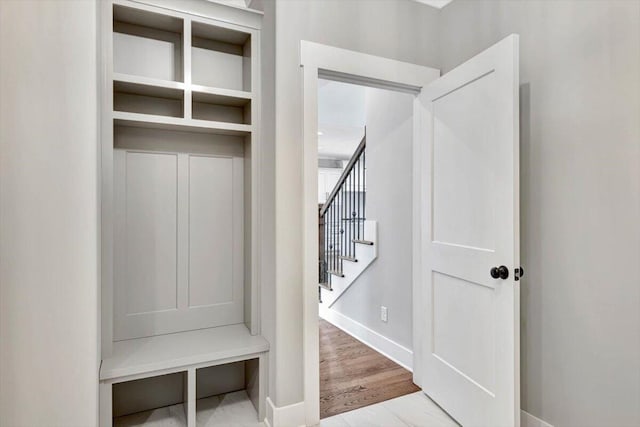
530	296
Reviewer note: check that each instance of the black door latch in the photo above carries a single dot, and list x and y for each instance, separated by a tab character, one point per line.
519	272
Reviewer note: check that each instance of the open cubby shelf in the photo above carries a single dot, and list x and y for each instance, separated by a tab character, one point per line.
220	57
147	99
180	199
153	76
198	366
147	44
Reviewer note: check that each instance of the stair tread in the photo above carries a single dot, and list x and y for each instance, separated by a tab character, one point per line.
336	273
325	286
363	242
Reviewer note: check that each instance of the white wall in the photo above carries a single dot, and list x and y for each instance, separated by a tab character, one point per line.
402	30
388	280
48	214
580	198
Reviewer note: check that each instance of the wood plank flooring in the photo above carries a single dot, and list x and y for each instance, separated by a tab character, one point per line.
353	375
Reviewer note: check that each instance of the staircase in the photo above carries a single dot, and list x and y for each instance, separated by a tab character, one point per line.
348	241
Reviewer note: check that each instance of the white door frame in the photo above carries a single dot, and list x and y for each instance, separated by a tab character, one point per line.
322	61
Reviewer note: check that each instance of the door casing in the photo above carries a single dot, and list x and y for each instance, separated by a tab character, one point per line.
322	61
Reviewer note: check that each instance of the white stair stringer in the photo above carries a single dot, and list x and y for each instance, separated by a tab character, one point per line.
365	254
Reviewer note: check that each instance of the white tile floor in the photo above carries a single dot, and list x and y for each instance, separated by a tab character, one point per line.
411	410
235	410
229	410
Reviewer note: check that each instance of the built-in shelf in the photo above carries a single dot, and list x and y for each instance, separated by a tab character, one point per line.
219	107
146	85
147	44
224	50
234	98
148	96
179	124
151	355
180	157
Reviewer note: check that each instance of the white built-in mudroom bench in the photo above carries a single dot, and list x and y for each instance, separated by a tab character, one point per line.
180	194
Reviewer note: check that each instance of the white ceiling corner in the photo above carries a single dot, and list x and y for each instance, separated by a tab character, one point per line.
438	4
236	3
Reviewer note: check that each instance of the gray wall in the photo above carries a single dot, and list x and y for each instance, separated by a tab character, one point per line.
580	198
388	280
48	214
389	28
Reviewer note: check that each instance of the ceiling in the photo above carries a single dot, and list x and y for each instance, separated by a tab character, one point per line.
236	3
439	4
341	119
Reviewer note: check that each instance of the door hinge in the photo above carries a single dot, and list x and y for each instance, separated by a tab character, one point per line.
518	273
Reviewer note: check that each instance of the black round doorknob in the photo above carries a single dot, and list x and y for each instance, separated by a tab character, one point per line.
501	272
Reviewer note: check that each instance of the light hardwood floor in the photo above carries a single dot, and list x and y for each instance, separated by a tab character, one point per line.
353	375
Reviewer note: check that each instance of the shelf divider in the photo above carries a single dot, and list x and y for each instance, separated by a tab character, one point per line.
186	57
180	124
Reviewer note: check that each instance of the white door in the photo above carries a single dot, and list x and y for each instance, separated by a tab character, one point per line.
471	225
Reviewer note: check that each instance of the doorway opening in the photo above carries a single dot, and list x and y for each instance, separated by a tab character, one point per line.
338	65
365	244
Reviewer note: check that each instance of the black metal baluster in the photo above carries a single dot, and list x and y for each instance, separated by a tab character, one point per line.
364	184
329	244
358	198
357	171
342	233
340	207
335	238
348	222
331	213
326	245
354	213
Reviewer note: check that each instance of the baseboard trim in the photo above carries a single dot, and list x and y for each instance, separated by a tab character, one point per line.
391	349
284	416
528	420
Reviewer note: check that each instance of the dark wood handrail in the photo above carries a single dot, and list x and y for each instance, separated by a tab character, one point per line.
345	174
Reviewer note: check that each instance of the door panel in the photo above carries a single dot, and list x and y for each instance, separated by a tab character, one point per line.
466	343
463	165
471	358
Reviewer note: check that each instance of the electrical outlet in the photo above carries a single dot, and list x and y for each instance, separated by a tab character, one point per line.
384	313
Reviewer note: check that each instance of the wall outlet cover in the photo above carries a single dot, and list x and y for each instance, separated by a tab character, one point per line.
384	315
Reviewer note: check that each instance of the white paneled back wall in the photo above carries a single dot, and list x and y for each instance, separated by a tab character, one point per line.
179	242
